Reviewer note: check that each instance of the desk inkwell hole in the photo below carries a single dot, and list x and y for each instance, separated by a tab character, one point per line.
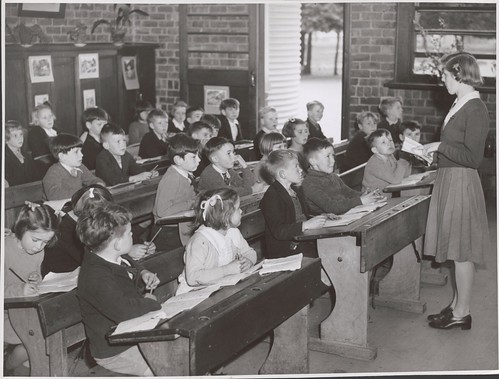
256	289
204	318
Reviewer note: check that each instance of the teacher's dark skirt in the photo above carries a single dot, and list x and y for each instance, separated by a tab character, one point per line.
457	227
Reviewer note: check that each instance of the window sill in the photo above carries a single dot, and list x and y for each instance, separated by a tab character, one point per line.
428	86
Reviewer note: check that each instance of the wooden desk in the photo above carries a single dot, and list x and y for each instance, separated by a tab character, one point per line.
212	333
423	187
348	254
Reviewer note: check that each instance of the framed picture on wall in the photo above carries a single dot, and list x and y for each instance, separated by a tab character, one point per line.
213	96
47	10
40	99
129	67
89	99
88	66
40	69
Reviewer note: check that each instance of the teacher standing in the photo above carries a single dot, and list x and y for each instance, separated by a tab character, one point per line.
457	228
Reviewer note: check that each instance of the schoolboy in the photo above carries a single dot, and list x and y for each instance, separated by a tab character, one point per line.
177	123
154	143
176	190
213	121
391	110
220	173
315	111
382	168
194	114
68	175
358	150
230	127
108	287
282	208
114	164
200	131
412	130
268	124
324	190
94	119
19	168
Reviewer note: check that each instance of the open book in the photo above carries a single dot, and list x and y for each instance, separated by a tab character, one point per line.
410	146
354	214
291	263
424	177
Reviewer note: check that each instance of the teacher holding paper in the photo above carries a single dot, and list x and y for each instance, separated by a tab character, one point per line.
457	226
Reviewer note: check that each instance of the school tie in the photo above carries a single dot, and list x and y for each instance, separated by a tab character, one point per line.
132	272
74	172
226	178
194	183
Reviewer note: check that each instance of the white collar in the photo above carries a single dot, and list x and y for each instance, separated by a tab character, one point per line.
459	103
69	168
219	170
157	135
179	125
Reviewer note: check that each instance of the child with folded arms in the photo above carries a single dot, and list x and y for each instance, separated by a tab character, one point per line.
382	168
282	208
114	164
110	288
324	190
67	176
24	249
217	248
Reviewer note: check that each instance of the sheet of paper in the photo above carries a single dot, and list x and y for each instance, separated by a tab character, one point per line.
59	282
367	208
345	219
410	146
144	322
291	263
412	179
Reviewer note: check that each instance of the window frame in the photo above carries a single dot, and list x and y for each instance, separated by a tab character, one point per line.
404	77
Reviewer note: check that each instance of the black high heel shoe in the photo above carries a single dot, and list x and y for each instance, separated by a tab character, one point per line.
450	322
444	313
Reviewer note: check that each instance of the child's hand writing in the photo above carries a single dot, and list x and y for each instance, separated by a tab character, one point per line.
151	280
30	289
245	263
148	295
140	250
234	267
34	278
154	173
316	222
370	197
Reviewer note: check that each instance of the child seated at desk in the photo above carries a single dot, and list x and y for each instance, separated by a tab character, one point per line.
177	123
391	111
213	121
202	132
268	124
282	208
315	111
230	127
382	168
269	143
154	143
108	287
324	190
220	173
193	114
217	248
176	190
114	164
138	128
67	176
94	119
42	129
19	168
358	150
412	130
24	249
297	131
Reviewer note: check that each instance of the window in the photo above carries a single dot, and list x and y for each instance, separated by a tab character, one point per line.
426	31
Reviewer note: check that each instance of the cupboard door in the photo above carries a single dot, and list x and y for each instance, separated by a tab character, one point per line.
108	97
63	94
15	91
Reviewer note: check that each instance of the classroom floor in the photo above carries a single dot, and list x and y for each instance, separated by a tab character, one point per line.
405	342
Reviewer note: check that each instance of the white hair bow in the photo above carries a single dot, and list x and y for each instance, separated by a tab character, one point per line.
212	201
31	205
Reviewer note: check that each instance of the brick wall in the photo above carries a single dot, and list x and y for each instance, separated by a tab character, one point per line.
373	64
160	27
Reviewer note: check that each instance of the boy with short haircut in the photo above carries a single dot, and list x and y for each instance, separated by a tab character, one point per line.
94	119
382	168
358	150
282	208
68	175
154	143
108	287
177	123
315	111
230	127
213	121
391	110
202	132
220	173
268	124
324	190
176	192
194	114
412	130
114	164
